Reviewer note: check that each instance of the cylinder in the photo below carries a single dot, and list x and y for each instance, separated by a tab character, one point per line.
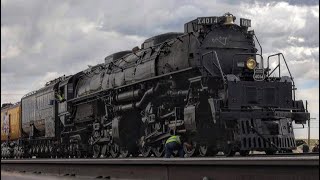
129	95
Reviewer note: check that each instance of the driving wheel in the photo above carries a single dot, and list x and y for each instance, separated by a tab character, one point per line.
203	150
191	151
124	152
146	151
228	151
159	150
114	151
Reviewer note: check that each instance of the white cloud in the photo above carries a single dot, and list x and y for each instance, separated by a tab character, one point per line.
10	52
301	52
10	41
312	95
43	80
315	11
36	48
292	39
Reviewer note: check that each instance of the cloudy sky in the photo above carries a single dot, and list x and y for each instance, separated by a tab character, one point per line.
43	39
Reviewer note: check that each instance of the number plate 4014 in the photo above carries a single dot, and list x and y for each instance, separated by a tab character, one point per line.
207	20
258	74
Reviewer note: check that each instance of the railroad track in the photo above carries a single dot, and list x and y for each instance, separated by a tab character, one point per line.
218	155
217	168
286	154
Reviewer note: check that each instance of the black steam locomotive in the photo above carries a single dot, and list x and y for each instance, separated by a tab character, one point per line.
207	84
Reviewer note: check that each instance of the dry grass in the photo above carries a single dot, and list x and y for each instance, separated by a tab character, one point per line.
312	143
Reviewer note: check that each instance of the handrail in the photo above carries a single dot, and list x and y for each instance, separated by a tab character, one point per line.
258	44
278	66
29	94
278	54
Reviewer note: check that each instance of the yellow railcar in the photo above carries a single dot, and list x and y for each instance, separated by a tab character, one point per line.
11	122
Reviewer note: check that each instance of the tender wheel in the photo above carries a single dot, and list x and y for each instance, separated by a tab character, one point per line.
22	152
30	152
159	150
244	152
78	154
96	151
191	151
66	151
146	151
115	150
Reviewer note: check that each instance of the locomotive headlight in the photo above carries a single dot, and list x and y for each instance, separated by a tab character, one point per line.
251	63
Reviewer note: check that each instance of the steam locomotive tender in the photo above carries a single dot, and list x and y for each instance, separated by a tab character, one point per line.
207	84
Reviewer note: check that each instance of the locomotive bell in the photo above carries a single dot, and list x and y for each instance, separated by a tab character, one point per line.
229	19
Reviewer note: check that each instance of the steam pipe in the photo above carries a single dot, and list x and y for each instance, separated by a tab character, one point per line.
155	91
129	95
148	95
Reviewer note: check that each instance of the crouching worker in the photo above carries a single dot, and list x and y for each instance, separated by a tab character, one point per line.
174	143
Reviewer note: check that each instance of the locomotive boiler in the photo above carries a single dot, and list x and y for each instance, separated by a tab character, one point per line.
209	84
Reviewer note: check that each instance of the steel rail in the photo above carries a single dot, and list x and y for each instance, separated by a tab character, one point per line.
218	168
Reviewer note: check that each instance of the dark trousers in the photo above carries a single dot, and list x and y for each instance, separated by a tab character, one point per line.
174	146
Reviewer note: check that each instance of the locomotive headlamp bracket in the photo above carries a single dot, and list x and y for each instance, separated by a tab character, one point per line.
251	63
249	59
